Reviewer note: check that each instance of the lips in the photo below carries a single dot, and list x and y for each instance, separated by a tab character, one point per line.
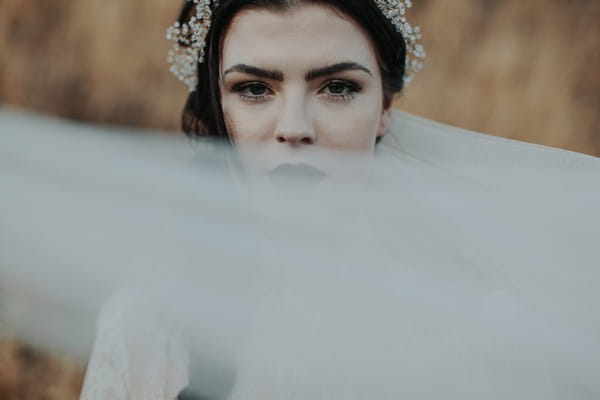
289	174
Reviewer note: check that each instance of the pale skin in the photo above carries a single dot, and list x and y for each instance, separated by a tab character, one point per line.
301	79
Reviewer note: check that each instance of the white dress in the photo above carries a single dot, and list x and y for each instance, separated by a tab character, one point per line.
472	273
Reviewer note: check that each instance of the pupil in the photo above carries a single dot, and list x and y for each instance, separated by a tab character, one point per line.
336	88
257	90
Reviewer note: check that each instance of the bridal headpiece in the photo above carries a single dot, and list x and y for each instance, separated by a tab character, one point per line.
189	39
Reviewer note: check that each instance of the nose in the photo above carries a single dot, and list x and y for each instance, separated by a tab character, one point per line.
294	126
294	138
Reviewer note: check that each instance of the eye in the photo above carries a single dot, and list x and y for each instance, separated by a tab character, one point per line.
340	90
337	87
252	91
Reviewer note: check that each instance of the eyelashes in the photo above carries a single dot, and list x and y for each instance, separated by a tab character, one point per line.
334	90
340	90
252	91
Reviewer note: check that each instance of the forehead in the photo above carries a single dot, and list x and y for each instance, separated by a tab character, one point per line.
302	37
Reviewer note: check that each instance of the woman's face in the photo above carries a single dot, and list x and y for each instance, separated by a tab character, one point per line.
297	80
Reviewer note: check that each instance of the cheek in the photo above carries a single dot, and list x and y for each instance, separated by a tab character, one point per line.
351	128
246	123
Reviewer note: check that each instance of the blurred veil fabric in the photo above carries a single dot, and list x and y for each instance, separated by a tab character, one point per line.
464	266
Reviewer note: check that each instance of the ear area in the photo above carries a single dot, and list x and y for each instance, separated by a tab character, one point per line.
385	120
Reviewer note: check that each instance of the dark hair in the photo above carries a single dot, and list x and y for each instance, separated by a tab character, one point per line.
203	115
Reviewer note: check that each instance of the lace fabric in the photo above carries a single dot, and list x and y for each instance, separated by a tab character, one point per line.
139	353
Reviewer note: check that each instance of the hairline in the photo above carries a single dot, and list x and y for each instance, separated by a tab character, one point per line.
289	6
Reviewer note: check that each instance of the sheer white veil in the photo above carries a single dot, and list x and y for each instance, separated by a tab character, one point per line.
466	267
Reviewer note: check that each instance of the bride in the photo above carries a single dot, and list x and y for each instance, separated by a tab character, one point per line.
282	81
255	84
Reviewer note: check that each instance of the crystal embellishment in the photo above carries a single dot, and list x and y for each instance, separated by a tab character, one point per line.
189	43
189	40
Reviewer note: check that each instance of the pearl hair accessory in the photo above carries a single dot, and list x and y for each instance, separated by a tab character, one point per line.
189	43
189	39
395	11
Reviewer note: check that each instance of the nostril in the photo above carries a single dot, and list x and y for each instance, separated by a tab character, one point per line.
294	139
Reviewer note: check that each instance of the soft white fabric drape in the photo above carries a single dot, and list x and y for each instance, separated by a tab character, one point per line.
465	268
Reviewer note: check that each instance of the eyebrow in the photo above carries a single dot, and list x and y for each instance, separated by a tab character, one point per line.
261	73
334	69
310	75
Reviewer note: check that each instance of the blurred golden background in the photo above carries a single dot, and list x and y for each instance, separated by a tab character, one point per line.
521	69
526	70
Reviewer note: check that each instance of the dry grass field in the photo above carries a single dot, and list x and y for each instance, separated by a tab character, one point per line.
28	374
526	70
